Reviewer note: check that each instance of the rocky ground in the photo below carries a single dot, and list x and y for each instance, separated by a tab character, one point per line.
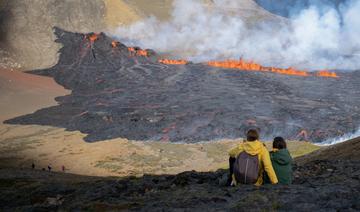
21	145
118	94
331	184
327	180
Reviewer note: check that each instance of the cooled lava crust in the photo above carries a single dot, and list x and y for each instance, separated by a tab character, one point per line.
116	93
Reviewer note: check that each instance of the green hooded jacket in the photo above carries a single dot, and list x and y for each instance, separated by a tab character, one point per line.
282	164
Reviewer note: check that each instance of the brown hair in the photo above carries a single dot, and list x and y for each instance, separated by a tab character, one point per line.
279	143
252	135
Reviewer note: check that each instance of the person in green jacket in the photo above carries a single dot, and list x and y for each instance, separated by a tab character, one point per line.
281	161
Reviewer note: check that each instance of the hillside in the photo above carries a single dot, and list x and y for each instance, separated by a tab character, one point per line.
343	151
319	185
26	26
288	8
119	131
26	37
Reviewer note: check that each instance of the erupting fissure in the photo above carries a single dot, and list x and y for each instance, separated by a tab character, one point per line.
326	74
115	44
251	66
93	37
135	51
233	64
122	94
173	62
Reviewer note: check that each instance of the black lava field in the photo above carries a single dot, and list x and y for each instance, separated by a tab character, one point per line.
116	94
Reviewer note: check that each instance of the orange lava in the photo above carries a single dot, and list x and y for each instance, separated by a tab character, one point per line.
238	64
115	44
288	71
138	52
251	66
142	53
93	37
326	74
173	62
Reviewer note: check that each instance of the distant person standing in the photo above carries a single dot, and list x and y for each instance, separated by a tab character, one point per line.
49	167
33	165
63	168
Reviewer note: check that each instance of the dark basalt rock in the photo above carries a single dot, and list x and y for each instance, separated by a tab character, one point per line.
116	94
321	185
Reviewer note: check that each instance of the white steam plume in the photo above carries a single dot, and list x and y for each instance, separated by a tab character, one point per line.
341	139
314	39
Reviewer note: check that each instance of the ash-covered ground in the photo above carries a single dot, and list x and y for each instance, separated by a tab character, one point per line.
118	94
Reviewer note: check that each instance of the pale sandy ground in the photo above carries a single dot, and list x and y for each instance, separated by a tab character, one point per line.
21	145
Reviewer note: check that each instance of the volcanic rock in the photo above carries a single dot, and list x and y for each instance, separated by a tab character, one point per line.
116	93
314	188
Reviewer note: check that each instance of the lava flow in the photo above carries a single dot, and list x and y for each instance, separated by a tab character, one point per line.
251	66
173	62
326	74
132	97
93	37
115	44
138	52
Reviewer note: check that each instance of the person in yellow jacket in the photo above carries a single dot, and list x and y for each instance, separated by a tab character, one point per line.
253	146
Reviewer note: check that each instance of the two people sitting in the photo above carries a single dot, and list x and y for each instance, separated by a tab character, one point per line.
251	163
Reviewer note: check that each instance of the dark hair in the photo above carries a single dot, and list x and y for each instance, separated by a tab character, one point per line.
279	143
252	135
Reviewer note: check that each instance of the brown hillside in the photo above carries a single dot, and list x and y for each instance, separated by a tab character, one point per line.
318	186
26	26
344	151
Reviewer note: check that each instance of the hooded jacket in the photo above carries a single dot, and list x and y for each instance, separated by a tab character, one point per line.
282	164
257	148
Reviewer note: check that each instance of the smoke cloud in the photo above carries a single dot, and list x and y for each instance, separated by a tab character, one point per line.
326	38
341	139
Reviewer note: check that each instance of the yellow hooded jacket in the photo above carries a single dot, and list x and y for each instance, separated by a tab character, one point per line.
257	148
